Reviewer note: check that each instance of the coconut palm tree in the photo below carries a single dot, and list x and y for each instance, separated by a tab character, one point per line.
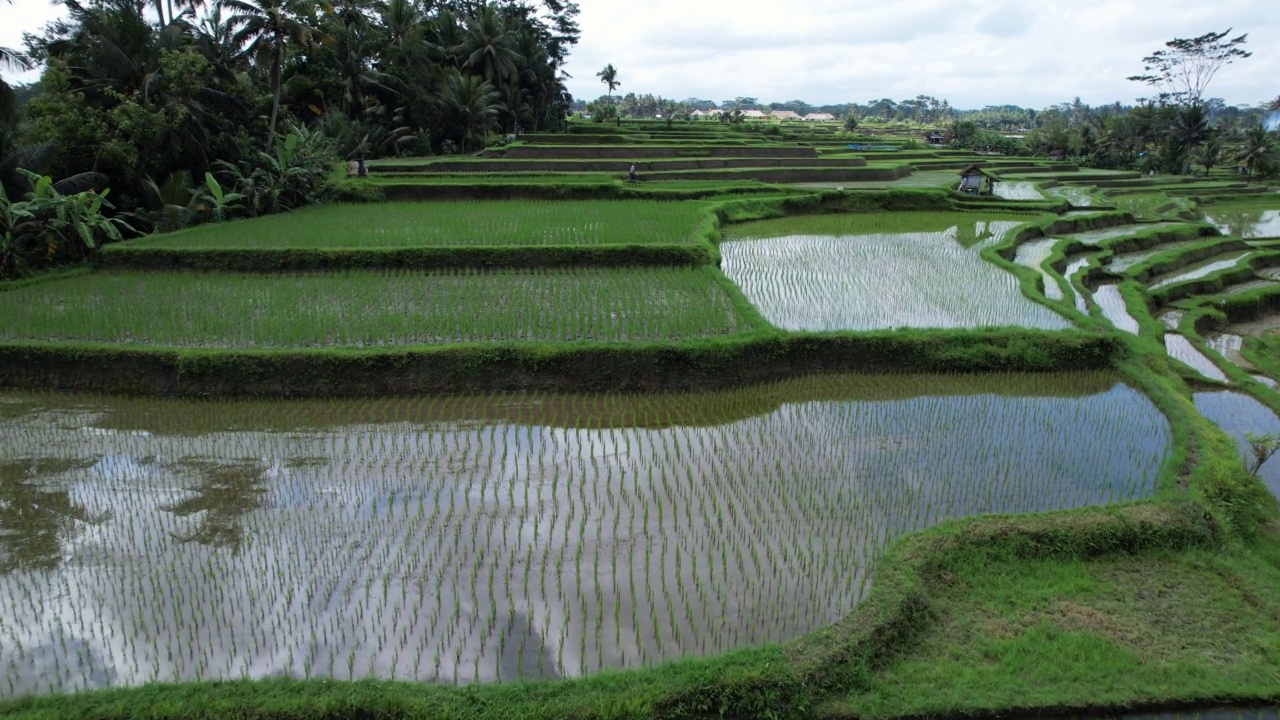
1209	155
487	47
609	76
1190	129
1258	145
265	28
472	102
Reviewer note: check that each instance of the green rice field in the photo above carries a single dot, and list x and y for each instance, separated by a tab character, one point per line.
374	309
449	224
876	271
491	538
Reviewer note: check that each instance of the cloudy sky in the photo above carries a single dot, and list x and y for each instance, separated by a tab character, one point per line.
828	51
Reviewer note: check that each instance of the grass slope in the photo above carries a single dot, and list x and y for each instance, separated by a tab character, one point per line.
373	309
449	224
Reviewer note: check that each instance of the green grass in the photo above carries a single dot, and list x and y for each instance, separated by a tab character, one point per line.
470	179
449	224
1120	630
371	309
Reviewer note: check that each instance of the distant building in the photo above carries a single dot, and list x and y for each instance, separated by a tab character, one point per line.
819	117
784	115
754	115
1058	155
935	138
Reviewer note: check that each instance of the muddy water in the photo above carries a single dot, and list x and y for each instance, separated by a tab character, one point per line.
511	536
1114	310
1238	414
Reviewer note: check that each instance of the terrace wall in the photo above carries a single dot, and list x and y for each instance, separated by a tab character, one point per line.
630	152
556	367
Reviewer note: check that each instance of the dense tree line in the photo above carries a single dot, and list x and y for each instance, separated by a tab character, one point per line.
157	93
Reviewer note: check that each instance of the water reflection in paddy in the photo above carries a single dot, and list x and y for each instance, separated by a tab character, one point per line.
490	538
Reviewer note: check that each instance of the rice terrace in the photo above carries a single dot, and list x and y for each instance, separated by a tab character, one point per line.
394	382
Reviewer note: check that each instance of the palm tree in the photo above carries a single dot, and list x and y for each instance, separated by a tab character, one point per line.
1190	129
1208	155
264	28
487	47
1258	145
472	102
609	76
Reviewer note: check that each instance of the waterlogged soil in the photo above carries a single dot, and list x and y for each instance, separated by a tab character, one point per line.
932	279
1033	254
1195	272
1238	414
490	538
1181	349
1095	237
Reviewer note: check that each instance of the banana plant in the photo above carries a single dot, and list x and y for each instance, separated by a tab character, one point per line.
218	202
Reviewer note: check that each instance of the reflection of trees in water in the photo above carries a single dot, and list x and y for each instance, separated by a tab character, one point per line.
226	493
1239	223
34	520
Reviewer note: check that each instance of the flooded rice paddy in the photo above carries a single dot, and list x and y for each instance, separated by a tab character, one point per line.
1033	254
490	538
1075	265
1124	261
1238	414
1246	223
1199	270
1018	190
1180	348
881	281
1093	237
1113	307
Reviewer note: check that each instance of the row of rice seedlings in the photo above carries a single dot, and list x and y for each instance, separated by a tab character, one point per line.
464	552
1018	190
879	281
373	309
1076	195
1199	270
452	224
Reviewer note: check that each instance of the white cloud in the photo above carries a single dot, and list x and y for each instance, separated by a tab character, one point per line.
822	51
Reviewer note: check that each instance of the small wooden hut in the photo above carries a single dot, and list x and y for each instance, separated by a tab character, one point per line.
971	181
935	138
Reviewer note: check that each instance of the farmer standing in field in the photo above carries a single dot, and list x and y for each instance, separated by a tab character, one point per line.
631	175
